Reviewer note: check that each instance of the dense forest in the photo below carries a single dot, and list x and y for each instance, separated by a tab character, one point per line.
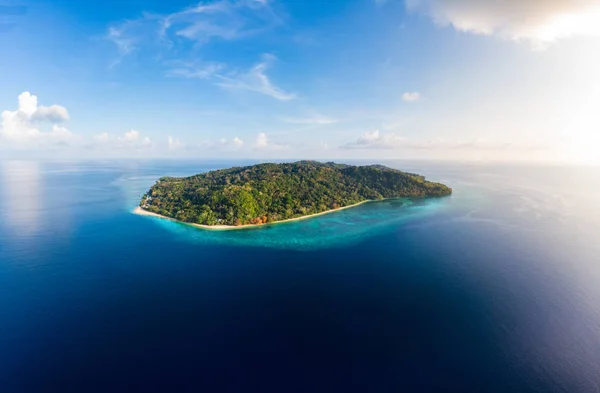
266	193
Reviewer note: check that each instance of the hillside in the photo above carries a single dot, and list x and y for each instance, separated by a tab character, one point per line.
267	193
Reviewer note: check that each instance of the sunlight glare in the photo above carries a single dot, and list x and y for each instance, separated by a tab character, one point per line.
583	129
564	25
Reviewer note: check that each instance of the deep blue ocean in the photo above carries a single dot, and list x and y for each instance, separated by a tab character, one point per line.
494	289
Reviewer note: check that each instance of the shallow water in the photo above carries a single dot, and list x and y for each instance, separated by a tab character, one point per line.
492	289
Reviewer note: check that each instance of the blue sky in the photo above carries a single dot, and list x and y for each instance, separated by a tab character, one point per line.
433	79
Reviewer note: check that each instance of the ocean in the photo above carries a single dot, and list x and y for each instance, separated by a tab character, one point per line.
493	289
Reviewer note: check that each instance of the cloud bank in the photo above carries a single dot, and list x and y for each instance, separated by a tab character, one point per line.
375	140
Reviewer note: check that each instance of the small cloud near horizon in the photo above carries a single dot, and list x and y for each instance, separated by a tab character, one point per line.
411	96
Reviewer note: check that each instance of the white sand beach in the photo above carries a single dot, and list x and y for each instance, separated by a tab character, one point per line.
142	212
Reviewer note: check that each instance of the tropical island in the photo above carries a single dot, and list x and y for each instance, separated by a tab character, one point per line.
270	193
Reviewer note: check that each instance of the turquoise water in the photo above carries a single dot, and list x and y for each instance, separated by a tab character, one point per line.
328	231
494	288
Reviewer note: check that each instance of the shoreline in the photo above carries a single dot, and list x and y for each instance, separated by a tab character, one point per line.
142	212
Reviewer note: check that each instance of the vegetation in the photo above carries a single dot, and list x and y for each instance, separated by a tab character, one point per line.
266	193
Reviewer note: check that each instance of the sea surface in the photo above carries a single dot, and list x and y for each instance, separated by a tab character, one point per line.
494	289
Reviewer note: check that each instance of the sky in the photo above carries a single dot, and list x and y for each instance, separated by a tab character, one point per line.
301	79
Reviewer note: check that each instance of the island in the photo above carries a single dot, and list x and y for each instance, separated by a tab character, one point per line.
242	197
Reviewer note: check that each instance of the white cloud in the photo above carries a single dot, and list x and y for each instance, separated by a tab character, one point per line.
129	140
122	38
224	20
256	80
129	136
201	71
28	103
376	140
54	113
118	36
262	142
411	96
102	138
175	40
223	144
21	128
174	143
311	120
61	133
237	142
538	21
